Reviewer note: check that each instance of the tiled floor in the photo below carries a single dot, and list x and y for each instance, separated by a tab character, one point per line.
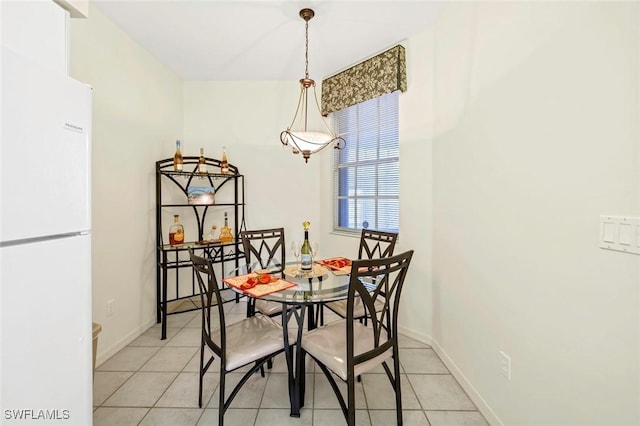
155	382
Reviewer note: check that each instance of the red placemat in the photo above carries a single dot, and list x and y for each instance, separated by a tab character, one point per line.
260	289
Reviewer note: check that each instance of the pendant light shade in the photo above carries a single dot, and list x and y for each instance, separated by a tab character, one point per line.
300	139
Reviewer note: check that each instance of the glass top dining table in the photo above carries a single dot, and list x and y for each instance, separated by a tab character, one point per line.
320	286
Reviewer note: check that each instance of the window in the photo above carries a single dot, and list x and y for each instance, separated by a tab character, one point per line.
366	171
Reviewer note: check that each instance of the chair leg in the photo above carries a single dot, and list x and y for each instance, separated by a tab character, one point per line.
303	376
270	363
396	368
351	401
201	374
221	398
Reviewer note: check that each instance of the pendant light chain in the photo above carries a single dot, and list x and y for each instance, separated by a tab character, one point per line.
306	49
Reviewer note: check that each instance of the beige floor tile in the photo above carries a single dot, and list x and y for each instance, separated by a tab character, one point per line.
193	366
134	380
141	390
439	392
281	417
324	397
129	358
323	417
152	337
380	395
183	392
232	417
106	383
388	417
276	394
249	396
118	416
172	417
421	361
407	342
186	337
456	418
180	320
170	359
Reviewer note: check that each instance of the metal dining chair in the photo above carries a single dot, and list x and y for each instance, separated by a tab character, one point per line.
264	249
348	348
373	245
253	340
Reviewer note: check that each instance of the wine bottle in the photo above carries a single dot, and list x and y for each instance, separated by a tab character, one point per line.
305	250
225	233
224	164
177	158
176	231
202	164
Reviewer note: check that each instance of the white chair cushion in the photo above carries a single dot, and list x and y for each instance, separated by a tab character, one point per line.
328	345
251	339
340	307
268	308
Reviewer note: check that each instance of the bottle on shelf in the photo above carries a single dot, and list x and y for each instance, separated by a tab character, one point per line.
176	232
177	158
305	250
225	232
224	163
202	164
211	236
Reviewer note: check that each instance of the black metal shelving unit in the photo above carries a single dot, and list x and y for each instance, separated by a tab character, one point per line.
176	287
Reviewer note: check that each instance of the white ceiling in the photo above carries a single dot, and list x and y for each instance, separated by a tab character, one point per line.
264	39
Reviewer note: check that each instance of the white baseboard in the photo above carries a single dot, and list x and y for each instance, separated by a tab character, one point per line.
107	353
477	399
420	337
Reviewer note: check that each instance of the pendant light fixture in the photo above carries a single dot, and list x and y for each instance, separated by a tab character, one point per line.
302	140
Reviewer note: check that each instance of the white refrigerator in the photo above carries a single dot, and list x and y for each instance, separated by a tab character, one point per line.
45	246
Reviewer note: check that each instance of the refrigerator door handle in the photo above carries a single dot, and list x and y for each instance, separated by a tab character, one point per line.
41	239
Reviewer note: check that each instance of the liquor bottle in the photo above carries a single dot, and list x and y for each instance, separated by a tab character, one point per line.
225	232
224	164
202	165
176	231
211	236
177	158
305	250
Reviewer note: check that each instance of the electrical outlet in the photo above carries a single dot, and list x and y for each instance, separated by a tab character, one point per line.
505	365
110	304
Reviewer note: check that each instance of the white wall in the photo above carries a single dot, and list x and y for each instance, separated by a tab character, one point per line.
137	115
519	129
247	117
542	141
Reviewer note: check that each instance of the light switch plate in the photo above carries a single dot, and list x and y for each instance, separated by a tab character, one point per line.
620	233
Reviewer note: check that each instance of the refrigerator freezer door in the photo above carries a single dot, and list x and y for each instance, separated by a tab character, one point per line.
46	128
46	328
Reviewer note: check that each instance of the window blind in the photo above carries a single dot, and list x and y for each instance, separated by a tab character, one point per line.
366	170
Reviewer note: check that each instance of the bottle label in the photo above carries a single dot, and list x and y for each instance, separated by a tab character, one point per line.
305	262
202	168
178	167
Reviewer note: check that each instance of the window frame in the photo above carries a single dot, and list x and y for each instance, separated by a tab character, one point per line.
337	165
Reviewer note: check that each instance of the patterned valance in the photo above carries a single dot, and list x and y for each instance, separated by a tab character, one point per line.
384	73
